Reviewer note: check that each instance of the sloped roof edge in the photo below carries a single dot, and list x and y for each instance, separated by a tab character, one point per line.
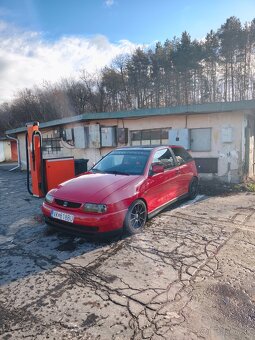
218	107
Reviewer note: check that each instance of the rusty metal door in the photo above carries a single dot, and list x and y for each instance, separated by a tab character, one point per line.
14	151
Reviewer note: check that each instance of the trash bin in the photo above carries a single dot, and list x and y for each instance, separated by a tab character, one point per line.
80	166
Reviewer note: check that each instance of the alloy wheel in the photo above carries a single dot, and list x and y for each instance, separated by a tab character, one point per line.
138	216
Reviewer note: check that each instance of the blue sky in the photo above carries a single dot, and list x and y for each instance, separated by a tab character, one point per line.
46	40
140	21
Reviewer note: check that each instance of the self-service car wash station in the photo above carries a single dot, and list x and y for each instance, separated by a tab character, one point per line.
46	174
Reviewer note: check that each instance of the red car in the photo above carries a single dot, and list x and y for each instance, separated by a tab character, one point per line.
124	189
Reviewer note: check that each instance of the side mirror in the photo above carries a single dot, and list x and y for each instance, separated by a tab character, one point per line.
157	169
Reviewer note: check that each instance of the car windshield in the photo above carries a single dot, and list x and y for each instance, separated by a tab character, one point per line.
123	162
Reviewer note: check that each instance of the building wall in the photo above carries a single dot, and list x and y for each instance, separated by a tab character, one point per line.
250	146
5	151
230	158
230	155
2	155
22	146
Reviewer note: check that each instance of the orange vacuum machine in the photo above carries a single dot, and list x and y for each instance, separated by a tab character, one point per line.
46	174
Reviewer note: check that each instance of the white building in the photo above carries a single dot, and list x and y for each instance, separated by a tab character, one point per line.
220	136
6	147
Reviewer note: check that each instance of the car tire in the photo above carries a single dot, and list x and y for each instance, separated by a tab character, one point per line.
193	188
136	217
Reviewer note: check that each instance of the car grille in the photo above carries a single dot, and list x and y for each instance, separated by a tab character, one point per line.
67	204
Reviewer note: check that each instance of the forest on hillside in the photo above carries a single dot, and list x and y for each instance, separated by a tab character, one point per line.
181	71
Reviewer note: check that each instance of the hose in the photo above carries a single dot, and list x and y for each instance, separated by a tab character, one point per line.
27	160
42	184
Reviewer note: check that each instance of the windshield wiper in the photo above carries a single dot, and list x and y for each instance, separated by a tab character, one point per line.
117	173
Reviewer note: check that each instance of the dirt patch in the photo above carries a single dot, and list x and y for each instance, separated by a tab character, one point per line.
217	188
10	318
90	321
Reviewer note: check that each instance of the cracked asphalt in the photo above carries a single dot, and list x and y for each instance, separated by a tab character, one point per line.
189	275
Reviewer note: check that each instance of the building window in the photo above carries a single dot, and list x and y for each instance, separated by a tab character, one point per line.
51	145
150	137
200	139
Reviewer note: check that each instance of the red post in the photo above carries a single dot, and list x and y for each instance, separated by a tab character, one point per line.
34	151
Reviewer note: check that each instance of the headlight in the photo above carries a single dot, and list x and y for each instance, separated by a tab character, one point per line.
93	207
49	198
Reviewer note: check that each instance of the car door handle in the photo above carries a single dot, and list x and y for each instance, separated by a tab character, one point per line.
177	171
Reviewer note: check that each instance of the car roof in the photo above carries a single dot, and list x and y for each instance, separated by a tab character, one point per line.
148	147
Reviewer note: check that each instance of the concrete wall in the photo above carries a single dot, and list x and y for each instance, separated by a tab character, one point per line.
250	143
230	155
22	145
2	155
5	151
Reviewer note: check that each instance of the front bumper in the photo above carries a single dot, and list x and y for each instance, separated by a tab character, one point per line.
86	222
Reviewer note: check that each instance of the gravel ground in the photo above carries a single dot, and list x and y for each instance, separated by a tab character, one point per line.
189	275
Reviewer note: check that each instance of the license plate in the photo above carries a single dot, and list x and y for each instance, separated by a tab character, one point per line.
62	216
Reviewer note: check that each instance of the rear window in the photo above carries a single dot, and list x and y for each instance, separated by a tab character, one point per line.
182	156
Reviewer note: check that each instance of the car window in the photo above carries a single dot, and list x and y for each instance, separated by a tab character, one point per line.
182	156
165	158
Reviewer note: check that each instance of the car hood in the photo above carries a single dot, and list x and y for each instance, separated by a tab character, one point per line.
92	188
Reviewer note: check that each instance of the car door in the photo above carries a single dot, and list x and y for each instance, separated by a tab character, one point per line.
161	187
185	169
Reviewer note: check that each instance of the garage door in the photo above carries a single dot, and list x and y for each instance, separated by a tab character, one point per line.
14	151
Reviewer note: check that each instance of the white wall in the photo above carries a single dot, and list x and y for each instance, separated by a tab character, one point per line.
230	155
2	155
251	154
5	151
22	145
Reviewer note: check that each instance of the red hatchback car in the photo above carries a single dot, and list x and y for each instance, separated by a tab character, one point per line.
124	189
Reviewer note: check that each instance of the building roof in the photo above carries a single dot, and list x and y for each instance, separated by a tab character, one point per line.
244	105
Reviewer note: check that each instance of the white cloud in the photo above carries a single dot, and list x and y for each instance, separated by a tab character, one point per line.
109	3
26	58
